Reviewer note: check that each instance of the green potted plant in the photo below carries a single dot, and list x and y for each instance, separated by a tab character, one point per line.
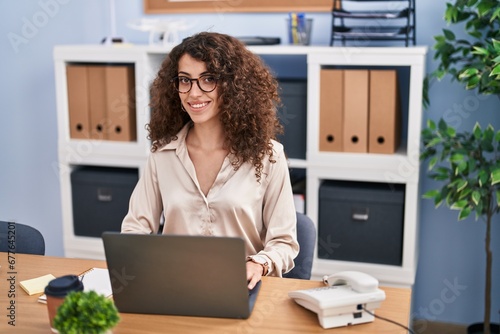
86	312
468	163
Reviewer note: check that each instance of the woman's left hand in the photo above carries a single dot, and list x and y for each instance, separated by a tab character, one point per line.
254	274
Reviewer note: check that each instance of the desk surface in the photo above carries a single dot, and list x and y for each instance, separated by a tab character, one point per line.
274	311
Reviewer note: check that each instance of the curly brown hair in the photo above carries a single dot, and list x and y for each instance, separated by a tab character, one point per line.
248	98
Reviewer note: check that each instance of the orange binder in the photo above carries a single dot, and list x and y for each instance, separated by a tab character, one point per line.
331	105
356	83
385	114
120	103
78	101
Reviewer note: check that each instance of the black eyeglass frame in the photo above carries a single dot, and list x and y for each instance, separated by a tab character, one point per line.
174	79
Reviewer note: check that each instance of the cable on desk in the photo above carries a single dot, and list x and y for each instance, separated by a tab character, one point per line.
388	320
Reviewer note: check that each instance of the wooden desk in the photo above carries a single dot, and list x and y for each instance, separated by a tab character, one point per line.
274	311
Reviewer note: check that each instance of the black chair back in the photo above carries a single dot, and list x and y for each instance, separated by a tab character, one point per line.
20	238
306	237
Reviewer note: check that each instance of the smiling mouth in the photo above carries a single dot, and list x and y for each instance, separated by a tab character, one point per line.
198	105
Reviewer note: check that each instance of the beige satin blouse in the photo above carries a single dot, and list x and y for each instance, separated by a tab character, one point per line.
263	214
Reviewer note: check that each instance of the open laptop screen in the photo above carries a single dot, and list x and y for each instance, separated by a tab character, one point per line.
179	275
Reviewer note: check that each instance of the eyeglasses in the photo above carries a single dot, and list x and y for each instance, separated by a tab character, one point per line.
207	83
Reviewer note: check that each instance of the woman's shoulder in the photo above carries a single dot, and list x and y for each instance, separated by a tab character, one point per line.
277	163
278	148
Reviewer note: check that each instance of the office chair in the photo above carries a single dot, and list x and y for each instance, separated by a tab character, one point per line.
23	238
306	237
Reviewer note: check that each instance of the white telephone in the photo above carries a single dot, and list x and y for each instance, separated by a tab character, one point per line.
344	300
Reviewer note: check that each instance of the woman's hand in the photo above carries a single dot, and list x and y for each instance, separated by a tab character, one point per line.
254	273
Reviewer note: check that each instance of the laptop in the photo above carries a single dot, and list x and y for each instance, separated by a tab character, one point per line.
179	275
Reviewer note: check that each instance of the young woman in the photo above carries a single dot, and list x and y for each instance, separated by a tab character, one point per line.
215	167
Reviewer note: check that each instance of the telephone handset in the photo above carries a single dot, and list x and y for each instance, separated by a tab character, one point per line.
358	281
343	300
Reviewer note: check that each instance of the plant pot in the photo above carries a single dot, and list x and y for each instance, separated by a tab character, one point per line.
478	328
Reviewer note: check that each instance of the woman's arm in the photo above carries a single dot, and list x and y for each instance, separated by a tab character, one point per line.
145	206
279	216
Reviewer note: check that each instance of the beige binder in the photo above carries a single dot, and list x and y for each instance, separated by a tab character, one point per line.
120	103
97	98
78	101
356	83
331	105
385	114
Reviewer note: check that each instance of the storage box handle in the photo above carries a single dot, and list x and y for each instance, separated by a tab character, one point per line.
104	195
360	214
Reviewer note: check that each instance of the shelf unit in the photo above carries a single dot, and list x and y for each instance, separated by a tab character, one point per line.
401	167
84	152
394	23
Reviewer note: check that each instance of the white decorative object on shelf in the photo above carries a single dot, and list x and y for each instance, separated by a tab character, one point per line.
112	38
164	32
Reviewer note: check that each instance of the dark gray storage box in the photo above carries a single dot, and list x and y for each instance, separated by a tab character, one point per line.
100	198
293	116
361	222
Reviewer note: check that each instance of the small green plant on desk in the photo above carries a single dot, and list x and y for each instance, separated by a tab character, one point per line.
86	312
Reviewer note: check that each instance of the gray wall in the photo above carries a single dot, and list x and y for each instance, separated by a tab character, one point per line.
450	278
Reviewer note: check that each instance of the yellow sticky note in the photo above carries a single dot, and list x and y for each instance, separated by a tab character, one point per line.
36	285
